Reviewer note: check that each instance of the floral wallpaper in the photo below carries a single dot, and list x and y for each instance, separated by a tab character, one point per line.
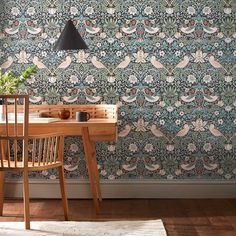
169	64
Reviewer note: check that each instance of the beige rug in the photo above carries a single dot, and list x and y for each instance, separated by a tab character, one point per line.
72	228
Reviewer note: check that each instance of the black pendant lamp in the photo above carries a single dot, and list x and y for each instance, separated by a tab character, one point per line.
70	39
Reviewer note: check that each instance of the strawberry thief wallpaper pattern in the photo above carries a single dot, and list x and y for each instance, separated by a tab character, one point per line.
170	65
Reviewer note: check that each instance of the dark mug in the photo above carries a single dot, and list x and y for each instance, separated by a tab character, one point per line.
82	116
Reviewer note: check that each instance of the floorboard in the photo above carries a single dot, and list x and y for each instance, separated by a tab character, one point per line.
181	217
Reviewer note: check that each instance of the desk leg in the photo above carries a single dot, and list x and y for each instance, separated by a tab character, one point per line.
2	178
95	170
89	153
2	174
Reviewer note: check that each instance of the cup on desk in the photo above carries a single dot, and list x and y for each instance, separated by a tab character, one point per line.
82	116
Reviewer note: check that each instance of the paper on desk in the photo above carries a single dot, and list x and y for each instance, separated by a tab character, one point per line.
43	119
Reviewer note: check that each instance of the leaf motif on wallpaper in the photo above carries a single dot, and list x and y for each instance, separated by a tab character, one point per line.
129	167
125	131
35	99
152	167
70	99
71	167
7	63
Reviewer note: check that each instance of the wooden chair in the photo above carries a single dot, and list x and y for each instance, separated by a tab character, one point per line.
38	152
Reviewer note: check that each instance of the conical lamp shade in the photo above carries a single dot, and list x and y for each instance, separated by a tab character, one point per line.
70	39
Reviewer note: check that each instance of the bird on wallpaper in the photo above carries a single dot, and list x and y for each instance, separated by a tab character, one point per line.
65	63
89	27
152	167
149	95
149	28
209	166
71	167
35	99
210	98
216	64
157	64
129	167
188	29
182	64
125	131
7	63
124	63
188	98
183	132
130	27
98	64
39	64
157	132
207	28
215	131
189	166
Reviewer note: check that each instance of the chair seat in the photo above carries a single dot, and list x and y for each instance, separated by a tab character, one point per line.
36	166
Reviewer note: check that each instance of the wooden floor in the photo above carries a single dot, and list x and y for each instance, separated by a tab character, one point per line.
182	217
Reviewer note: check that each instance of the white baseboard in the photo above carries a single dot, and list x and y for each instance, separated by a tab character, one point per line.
127	189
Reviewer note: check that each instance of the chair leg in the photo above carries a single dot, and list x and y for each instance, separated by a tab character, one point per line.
2	178
26	199
63	191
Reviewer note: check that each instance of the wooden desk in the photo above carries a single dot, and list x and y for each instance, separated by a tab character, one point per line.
96	129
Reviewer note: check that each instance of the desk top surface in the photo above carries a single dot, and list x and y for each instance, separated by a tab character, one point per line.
45	121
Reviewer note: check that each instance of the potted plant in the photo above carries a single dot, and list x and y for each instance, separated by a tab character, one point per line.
9	82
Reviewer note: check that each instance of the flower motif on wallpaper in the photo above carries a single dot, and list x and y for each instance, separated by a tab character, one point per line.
15	11
148	10
199	56
140	56
81	56
132	10
170	67
74	10
89	10
30	11
199	125
191	10
74	79
23	57
140	125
